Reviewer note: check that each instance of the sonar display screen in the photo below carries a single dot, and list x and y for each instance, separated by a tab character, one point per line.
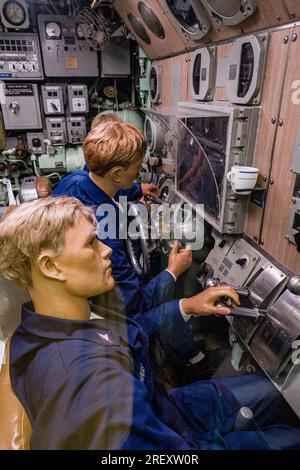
201	154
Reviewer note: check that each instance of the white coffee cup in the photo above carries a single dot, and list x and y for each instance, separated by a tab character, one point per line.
242	179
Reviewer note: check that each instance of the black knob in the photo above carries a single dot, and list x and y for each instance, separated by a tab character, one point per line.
36	142
241	262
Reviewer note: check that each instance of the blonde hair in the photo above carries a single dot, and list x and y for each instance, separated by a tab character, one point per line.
104	119
33	227
113	144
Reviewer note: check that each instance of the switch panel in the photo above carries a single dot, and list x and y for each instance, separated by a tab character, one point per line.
53	101
76	127
78	99
56	129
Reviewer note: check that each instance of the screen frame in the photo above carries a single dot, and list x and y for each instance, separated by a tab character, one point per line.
191	110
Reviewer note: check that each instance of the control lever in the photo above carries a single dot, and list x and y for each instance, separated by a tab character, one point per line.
250	313
212	282
241	312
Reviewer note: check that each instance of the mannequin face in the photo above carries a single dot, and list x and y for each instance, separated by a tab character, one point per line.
84	265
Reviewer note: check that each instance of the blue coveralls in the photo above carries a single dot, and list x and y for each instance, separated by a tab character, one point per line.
157	294
90	385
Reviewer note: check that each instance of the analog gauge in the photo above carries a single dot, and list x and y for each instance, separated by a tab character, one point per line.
14	13
83	31
53	30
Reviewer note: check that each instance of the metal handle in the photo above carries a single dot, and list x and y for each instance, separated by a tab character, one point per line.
250	313
14	107
212	282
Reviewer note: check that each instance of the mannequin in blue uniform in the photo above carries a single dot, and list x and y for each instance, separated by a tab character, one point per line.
114	153
89	384
136	191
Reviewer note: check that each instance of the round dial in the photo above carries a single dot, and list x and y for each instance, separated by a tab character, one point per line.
53	30
83	31
14	12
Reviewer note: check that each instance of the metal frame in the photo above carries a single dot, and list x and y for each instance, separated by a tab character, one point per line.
158	70
259	45
246	9
201	16
207	78
233	207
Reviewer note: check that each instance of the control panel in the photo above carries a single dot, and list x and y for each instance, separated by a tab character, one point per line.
65	51
232	261
22	108
76	127
78	99
56	129
20	57
53	101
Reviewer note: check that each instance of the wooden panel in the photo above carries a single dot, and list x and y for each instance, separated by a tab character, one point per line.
170	79
171	44
275	67
270	13
278	207
166	80
223	51
293	7
184	79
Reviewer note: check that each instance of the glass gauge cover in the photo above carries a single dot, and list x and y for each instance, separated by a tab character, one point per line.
83	31
53	30
14	12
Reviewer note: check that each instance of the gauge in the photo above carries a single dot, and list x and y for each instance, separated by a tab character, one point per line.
83	31
14	12
53	30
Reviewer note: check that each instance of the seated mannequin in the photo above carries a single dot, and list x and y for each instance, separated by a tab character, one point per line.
89	384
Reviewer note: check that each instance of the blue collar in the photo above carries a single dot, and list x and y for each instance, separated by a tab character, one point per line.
46	326
96	194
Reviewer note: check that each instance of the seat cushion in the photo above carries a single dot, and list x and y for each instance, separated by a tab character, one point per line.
15	429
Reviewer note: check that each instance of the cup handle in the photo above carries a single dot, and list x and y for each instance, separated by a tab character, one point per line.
229	175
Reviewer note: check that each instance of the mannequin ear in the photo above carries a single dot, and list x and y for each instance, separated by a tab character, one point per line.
116	174
49	266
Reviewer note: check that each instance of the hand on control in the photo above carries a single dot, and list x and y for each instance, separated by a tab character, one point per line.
208	301
149	189
179	260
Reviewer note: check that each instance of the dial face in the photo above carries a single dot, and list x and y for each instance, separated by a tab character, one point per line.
83	31
14	12
53	30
